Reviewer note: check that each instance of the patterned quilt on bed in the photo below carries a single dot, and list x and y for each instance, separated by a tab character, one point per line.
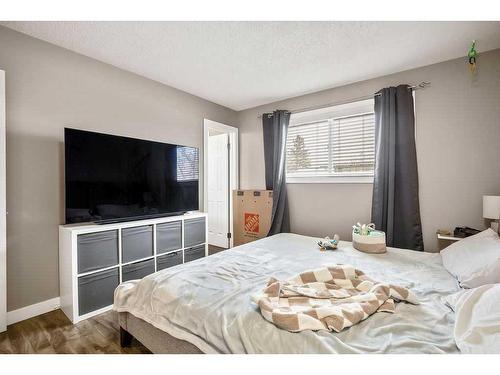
331	298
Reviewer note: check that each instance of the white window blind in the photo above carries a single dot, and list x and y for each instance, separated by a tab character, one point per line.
353	144
332	145
187	163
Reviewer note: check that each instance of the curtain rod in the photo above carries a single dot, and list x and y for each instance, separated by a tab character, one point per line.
421	85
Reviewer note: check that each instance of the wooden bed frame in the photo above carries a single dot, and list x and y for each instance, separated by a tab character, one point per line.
156	340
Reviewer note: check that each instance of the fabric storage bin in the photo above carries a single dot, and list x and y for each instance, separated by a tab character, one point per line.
194	231
168	237
169	260
137	243
97	250
372	243
138	270
97	290
194	253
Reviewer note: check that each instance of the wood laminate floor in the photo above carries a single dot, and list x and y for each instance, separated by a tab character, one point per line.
53	333
212	249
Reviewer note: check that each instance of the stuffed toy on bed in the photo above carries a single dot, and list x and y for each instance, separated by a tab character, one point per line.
329	244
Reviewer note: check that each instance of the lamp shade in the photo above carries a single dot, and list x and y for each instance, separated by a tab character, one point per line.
491	207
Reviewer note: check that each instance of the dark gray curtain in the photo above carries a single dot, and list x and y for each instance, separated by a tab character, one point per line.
275	129
395	204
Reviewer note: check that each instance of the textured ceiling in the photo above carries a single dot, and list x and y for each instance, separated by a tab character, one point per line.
246	64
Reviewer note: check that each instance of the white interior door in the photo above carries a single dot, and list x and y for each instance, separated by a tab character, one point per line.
3	236
218	190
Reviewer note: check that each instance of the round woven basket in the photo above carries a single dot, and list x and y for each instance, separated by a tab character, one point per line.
374	243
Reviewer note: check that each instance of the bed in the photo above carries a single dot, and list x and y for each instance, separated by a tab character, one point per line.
205	306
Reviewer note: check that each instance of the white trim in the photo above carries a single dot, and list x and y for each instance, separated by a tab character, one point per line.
233	163
111	267
330	180
3	211
92	313
33	310
335	111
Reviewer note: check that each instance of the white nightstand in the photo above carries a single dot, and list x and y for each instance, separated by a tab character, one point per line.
445	241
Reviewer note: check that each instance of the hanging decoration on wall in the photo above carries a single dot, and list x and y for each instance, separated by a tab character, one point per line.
472	55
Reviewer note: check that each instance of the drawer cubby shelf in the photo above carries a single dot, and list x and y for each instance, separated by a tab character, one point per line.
170	259
138	270
137	243
94	259
168	237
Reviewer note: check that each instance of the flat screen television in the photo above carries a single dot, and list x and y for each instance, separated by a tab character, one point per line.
111	178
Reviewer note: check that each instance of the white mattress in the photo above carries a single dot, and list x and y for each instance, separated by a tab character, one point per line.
208	302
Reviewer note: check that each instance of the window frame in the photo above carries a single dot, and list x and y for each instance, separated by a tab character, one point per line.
329	114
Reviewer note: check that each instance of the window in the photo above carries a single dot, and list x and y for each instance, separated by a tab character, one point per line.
187	163
335	144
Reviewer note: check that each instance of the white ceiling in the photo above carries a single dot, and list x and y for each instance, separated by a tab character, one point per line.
245	64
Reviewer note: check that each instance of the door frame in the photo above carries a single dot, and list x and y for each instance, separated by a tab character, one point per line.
232	133
3	211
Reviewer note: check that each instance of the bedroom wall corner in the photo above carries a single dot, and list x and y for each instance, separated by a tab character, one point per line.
457	146
49	88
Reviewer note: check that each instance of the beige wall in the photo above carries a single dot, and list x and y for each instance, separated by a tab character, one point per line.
49	88
458	143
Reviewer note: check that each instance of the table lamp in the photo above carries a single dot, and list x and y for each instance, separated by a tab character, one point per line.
491	209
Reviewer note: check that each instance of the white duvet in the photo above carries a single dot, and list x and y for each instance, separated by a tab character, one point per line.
477	325
208	302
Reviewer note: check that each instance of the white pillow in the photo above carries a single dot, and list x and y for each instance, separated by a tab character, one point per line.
477	319
475	260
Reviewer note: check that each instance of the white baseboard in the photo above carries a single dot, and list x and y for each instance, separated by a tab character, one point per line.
33	310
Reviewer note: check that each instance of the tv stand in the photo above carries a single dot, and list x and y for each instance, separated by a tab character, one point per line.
94	258
137	218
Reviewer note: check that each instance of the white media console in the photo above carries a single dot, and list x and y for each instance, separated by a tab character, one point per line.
94	259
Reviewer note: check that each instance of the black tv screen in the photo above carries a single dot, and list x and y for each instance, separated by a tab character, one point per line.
111	178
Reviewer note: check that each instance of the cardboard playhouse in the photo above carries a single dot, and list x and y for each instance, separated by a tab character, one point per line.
251	215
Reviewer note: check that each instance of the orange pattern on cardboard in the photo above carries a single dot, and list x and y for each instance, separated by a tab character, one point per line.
251	222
